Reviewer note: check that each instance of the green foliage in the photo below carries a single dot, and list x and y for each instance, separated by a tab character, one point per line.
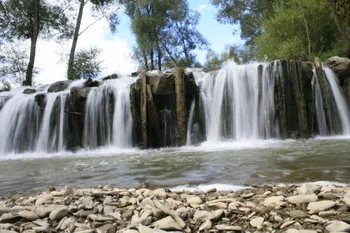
13	64
87	64
249	14
17	18
285	33
240	55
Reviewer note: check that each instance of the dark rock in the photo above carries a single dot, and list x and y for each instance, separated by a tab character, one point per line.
29	91
59	86
135	74
91	83
112	76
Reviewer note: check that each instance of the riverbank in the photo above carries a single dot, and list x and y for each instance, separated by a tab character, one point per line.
269	208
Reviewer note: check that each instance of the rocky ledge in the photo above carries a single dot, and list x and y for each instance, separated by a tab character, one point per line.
281	208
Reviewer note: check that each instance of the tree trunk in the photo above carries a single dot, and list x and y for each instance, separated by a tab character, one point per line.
306	28
159	57
145	59
33	41
75	41
152	59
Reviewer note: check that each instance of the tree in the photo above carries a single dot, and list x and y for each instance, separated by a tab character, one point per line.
249	14
87	64
99	6
297	31
165	32
27	19
13	63
240	55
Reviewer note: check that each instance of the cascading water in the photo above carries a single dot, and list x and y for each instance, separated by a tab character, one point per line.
233	106
320	114
108	117
52	127
19	123
340	101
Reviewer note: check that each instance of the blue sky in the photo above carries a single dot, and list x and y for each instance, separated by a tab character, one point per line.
217	34
116	55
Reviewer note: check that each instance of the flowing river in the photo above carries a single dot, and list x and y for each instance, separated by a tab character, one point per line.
231	163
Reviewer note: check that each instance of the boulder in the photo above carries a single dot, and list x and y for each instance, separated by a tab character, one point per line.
29	91
340	65
91	83
59	86
112	76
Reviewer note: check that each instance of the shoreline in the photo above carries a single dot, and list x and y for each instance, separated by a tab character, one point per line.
305	208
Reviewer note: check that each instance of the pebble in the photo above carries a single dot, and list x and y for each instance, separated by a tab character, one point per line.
338	226
257	221
59	213
315	207
304	198
194	200
110	210
28	215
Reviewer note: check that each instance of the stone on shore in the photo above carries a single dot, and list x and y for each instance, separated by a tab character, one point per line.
308	208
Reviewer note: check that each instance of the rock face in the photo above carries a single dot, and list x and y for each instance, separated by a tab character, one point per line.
159	107
341	66
110	210
59	86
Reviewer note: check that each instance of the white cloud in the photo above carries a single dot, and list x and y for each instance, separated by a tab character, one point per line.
203	7
115	54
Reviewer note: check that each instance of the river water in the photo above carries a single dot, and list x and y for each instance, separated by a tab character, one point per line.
231	163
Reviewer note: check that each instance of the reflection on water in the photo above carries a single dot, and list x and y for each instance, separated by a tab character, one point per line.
254	162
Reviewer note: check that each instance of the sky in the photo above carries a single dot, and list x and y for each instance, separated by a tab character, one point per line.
117	48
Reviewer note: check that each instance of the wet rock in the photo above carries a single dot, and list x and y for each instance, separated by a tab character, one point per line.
59	213
29	91
59	86
91	83
112	76
340	65
307	189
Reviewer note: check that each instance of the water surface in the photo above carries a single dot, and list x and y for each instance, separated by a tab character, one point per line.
232	163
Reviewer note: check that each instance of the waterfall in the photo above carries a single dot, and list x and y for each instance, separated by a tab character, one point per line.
190	123
233	106
320	114
19	121
108	118
339	99
52	127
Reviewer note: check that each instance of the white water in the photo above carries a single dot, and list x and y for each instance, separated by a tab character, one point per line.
108	117
340	101
232	107
320	114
